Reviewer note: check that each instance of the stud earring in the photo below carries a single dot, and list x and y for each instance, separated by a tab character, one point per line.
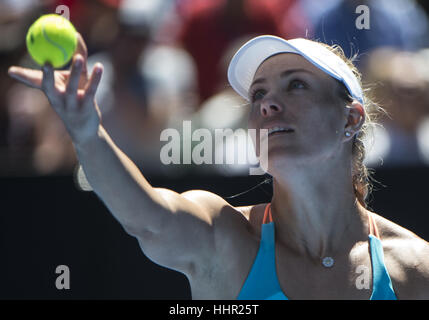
348	134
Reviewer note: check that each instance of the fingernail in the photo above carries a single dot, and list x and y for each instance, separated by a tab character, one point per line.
98	68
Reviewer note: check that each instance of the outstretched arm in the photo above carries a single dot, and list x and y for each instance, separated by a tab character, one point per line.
173	229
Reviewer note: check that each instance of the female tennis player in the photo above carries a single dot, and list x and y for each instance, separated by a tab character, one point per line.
316	239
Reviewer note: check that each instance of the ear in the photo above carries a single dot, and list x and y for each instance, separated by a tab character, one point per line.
355	114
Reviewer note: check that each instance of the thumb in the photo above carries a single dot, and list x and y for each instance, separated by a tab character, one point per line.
30	77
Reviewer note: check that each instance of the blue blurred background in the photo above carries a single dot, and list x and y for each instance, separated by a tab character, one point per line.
165	62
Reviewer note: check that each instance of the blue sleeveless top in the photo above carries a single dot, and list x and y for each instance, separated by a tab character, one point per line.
262	282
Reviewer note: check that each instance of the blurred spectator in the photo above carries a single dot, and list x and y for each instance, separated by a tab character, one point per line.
227	110
402	88
33	138
29	128
209	27
37	140
402	24
149	85
145	88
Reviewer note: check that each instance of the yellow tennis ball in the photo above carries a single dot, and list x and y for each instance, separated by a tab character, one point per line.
51	38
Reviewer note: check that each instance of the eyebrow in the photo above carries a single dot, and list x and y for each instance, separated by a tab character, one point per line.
282	75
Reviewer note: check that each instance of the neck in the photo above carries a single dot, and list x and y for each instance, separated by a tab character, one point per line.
317	215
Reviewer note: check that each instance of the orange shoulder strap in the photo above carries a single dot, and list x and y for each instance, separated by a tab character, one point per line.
372	225
371	222
267	214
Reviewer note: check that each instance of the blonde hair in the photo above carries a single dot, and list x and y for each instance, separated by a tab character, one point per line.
362	176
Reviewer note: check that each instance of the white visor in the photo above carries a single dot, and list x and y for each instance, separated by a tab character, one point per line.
249	57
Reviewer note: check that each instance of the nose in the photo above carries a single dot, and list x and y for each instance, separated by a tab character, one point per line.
270	107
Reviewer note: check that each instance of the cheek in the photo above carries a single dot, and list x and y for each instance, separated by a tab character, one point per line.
319	122
330	132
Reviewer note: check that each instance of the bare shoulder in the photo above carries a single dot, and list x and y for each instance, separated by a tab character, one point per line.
229	223
234	247
218	208
407	259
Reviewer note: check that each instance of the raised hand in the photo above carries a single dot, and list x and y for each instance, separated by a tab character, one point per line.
71	93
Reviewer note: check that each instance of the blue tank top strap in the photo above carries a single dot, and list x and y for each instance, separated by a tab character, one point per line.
382	288
262	282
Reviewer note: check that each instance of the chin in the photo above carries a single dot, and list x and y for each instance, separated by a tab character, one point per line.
279	159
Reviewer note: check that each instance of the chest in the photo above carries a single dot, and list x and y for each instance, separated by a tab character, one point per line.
298	277
349	278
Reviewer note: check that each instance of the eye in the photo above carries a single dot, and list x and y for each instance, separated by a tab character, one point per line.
257	95
297	84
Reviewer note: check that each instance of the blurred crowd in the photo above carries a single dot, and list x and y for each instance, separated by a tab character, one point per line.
165	62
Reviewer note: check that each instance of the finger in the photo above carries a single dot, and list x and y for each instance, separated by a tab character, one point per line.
73	81
48	82
81	47
93	83
30	77
82	50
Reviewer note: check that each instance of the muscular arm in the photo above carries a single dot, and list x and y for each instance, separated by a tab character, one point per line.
174	230
416	265
120	184
407	260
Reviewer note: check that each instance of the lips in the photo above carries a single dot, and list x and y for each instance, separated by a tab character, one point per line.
278	130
